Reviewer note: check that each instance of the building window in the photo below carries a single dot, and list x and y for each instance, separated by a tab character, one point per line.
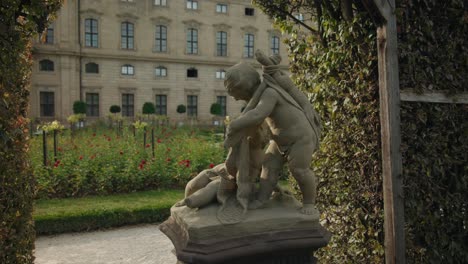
221	43
248	45
249	11
275	42
46	65
160	2
220	74
192	4
161	38
161	104
127	69
221	8
128	105
91	33
128	35
47	103
222	101
49	39
160	71
299	17
92	104
192	105
192	41
192	73
91	67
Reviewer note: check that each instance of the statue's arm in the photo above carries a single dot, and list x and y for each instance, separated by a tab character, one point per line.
257	115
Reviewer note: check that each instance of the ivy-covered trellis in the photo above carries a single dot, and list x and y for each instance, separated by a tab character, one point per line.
334	56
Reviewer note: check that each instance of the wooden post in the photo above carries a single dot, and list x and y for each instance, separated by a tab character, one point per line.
389	89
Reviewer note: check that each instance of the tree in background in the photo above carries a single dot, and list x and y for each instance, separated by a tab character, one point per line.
19	22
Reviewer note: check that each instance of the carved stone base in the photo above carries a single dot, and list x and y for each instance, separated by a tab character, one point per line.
276	234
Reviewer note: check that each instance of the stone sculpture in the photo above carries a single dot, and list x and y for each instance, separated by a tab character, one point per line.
234	220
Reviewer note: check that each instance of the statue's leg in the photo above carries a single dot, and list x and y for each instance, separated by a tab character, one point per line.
200	181
271	169
299	160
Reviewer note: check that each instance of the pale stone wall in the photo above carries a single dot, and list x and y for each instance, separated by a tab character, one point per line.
67	55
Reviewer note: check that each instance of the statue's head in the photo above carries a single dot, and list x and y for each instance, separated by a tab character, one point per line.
241	81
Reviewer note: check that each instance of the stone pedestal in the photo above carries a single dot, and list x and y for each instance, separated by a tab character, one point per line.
278	234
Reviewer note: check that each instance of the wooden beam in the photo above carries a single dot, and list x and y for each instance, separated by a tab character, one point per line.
391	137
410	95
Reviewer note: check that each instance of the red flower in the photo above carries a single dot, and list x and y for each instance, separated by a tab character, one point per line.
108	139
159	140
57	163
80	158
94	134
140	166
211	165
59	149
168	159
93	156
143	162
168	149
121	152
148	145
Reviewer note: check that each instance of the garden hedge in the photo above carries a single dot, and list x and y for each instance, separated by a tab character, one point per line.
19	21
336	62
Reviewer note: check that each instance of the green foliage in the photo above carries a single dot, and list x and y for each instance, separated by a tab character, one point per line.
104	162
433	52
114	109
433	45
338	66
181	109
19	21
336	61
79	107
435	169
148	108
216	109
54	216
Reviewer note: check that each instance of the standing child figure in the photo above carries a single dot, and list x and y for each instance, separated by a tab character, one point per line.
294	125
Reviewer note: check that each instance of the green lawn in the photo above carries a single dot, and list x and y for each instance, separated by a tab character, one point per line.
95	212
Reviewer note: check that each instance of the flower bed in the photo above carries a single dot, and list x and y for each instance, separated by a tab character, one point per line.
99	162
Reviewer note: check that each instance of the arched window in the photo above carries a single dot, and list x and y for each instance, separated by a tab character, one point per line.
92	67
220	74
160	71
192	73
127	35
161	38
46	65
127	69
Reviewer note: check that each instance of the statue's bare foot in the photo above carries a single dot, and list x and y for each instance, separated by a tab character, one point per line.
180	203
256	204
308	209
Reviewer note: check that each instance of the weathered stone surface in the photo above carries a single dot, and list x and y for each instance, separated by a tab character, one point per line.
279	229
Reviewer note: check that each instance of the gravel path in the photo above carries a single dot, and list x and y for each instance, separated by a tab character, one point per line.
136	245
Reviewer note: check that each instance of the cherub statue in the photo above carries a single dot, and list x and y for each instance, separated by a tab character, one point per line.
294	125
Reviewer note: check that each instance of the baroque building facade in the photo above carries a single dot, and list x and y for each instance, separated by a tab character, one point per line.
128	52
